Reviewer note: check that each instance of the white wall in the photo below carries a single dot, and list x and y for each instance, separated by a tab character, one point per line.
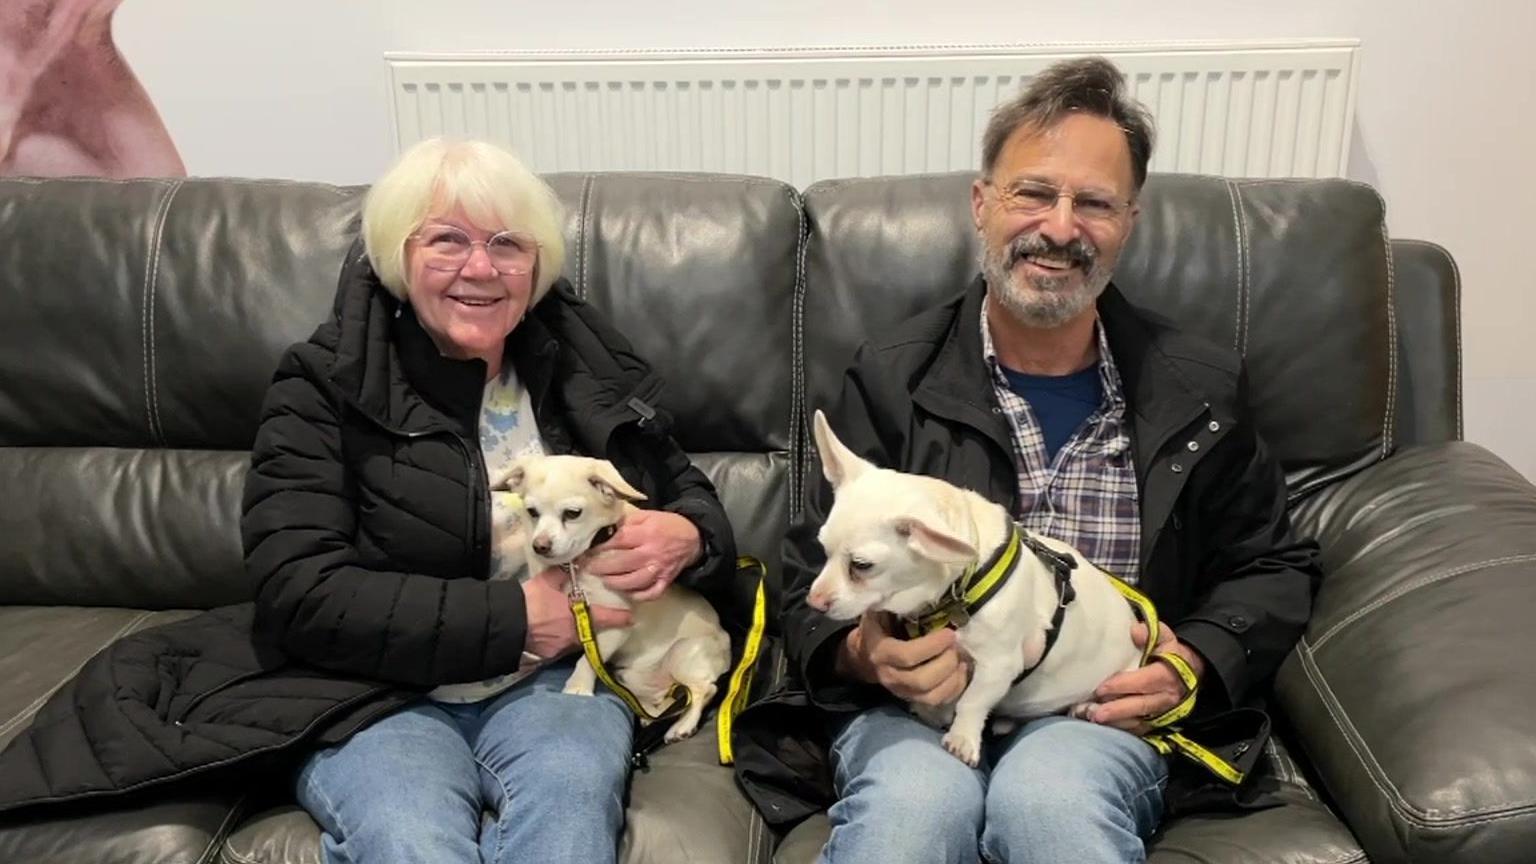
295	89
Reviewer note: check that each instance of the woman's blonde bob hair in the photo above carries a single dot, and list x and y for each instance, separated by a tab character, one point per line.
496	190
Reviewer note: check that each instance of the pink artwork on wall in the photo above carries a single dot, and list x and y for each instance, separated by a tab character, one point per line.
69	104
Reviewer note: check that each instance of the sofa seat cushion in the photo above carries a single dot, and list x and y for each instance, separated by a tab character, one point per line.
174	829
684	807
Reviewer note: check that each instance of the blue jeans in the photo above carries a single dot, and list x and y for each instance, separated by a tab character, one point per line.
1056	790
549	768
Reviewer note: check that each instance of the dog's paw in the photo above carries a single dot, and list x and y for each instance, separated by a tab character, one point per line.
966	748
577	688
1004	725
680	730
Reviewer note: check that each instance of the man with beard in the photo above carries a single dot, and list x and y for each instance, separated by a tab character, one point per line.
1097	423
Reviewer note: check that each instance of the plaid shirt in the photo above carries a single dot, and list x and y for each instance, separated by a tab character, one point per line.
1087	497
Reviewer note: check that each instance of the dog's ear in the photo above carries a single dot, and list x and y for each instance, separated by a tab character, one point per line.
606	479
838	463
935	542
514	478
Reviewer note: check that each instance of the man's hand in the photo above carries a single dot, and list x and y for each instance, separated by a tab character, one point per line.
1129	699
551	626
928	670
650	548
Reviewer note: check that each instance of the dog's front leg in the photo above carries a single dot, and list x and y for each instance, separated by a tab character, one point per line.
583	679
989	684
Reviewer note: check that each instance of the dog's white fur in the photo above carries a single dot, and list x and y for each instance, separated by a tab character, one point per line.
675	638
914	536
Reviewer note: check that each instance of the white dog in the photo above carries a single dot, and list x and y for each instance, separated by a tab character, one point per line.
572	503
898	543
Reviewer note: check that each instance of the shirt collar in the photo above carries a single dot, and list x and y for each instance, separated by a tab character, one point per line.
1114	399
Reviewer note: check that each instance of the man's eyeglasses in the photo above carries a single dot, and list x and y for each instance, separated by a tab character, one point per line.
447	248
1032	198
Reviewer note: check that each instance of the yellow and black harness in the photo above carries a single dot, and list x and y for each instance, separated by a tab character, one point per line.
737	692
980	583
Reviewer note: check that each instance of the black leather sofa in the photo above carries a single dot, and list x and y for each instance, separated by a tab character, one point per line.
140	321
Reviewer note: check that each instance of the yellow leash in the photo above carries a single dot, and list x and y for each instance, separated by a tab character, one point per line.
588	635
740	689
737	692
1165	740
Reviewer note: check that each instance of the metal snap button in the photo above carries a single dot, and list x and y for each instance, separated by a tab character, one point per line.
1193	446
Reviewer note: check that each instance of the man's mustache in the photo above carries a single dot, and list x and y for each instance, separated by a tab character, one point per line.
1076	251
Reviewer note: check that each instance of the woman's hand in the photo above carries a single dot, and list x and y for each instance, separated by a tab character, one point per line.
551	626
650	548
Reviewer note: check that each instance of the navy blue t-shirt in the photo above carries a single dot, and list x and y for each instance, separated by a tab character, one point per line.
1061	402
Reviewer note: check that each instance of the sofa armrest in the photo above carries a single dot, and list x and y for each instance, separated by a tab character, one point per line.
1413	691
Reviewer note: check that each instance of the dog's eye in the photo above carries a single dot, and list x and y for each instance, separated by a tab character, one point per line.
570	513
860	565
533	512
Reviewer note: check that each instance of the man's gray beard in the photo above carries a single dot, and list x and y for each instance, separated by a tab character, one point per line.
1046	302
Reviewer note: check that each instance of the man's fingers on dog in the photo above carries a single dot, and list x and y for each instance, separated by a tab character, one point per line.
1129	712
1139	635
911	653
933	674
950	688
872	628
919	682
1147	679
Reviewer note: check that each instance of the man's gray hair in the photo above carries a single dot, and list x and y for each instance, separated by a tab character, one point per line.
1089	84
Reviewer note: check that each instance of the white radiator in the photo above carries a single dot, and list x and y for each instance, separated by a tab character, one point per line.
1239	109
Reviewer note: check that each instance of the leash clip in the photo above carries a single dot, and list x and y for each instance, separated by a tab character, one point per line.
573	591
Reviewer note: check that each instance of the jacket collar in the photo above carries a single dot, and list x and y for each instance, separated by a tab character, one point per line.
387	366
1161	398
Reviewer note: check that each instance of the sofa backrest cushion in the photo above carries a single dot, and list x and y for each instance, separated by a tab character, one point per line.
1295	275
142	320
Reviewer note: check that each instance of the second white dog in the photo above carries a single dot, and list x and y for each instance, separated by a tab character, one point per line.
898	542
570	504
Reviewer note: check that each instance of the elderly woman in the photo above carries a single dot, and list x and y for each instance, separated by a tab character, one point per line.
370	525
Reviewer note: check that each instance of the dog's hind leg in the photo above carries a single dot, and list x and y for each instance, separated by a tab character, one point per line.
696	663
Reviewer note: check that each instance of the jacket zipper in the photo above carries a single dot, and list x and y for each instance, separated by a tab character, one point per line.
480	506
